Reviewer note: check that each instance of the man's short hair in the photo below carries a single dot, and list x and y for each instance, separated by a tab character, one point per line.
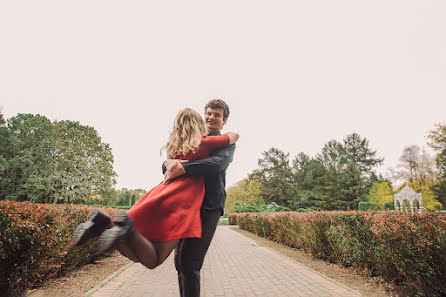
218	103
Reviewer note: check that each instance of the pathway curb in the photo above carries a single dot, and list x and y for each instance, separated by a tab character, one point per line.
107	279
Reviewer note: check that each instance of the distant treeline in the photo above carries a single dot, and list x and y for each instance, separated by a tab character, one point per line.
341	176
66	162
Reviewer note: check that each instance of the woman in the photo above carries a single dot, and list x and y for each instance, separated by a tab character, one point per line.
169	212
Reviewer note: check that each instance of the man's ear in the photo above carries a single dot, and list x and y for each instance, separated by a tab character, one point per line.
224	122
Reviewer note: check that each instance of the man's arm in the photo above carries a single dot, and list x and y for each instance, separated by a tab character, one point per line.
172	168
214	164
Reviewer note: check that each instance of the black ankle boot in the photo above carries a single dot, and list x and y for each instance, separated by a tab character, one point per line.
122	229
98	221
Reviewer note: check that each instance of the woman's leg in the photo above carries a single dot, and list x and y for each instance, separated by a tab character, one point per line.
151	254
143	249
127	251
165	248
133	244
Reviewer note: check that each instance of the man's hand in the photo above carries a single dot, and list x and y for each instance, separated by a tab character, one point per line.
173	169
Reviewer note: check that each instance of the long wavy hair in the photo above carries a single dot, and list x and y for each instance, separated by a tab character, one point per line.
188	128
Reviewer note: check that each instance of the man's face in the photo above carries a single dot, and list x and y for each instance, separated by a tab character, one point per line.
214	119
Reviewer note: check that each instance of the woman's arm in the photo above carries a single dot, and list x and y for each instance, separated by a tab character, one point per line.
233	137
213	142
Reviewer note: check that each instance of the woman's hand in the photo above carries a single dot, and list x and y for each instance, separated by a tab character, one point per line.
233	137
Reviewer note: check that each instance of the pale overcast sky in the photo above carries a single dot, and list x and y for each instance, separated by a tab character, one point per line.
295	73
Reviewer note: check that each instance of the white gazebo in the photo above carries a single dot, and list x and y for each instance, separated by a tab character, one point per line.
408	198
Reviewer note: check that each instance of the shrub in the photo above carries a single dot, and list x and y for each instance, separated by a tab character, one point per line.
243	207
232	219
35	243
364	206
272	207
304	209
389	205
409	250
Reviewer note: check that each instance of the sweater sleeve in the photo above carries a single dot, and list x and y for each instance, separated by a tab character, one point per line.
217	162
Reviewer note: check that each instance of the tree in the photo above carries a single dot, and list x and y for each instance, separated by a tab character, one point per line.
337	178
333	159
309	179
429	200
358	152
85	163
380	193
29	173
350	172
353	189
332	155
415	164
246	191
437	141
275	175
4	145
53	162
439	191
409	159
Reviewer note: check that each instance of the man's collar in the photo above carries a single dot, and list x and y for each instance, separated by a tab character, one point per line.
213	133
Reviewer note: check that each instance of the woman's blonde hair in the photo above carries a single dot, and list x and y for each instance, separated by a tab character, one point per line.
188	128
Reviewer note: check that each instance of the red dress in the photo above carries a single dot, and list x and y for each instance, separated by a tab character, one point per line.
172	211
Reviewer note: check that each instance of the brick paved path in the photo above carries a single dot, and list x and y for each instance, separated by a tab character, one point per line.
234	266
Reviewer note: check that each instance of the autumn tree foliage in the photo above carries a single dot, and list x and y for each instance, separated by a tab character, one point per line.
245	191
430	201
380	193
437	141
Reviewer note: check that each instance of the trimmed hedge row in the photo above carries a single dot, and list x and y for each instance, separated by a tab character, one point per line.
409	250
35	243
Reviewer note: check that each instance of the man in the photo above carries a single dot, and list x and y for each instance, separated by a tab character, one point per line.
190	252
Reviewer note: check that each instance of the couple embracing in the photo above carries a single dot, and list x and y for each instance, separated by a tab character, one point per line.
182	212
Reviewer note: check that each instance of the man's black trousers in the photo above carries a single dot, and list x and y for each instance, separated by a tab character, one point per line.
190	252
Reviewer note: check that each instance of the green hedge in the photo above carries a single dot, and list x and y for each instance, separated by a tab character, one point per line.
271	207
409	250
389	205
35	243
364	206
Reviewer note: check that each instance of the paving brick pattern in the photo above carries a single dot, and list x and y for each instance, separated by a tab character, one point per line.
234	266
